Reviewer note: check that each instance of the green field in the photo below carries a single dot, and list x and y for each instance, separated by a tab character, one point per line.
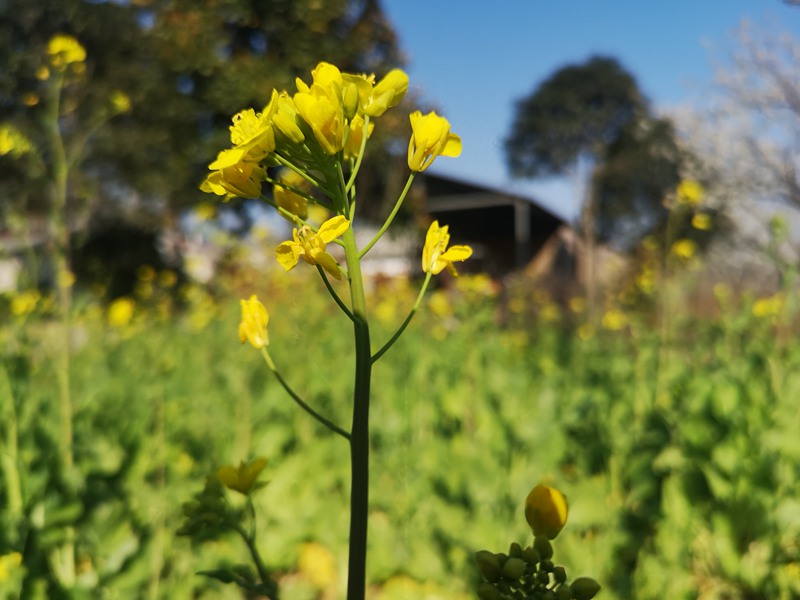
675	440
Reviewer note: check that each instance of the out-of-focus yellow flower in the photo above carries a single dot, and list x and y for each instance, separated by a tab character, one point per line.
13	141
439	303
145	273
614	320
120	311
321	108
436	256
65	278
64	50
689	192
769	307
577	304
120	101
288	199
242	179
167	278
646	279
701	221
586	331
253	326
430	137
546	511
684	249
317	564
205	211
30	99
25	302
312	246
243	478
352	145
550	312
42	73
8	564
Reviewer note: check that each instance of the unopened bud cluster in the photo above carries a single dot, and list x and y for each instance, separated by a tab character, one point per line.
529	574
208	513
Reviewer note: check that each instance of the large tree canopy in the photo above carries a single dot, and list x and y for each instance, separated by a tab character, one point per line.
187	66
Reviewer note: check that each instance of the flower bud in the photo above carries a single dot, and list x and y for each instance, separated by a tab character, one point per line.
543	577
546	511
564	592
560	574
584	588
487	591
515	550
543	546
514	568
488	565
547	565
531	556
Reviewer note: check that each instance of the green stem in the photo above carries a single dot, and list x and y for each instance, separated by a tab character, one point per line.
263	573
359	434
327	423
333	293
390	218
405	323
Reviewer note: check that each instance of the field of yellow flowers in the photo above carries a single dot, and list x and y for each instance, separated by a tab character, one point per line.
679	453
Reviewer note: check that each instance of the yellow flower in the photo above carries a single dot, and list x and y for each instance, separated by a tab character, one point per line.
120	311
289	200
65	50
285	119
8	563
435	254
252	132
253	327
352	145
684	249
25	302
768	307
317	563
546	511
241	479
614	320
242	179
701	221
120	101
311	246
689	192
430	137
388	92
13	141
321	108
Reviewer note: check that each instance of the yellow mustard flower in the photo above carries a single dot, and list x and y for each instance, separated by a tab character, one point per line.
321	108
684	249
317	563
242	179
120	101
436	256
241	479
546	511
252	132
253	326
388	92
352	145
771	306
430	137
285	119
25	302
64	50
8	564
13	141
701	221
288	199
614	320
312	246
120	311
689	192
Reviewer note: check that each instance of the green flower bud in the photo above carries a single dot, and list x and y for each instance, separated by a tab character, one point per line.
543	577
486	591
514	568
504	587
488	565
584	588
564	592
531	556
547	565
543	546
515	550
560	574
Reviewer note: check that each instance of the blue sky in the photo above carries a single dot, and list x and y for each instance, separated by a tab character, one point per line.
473	59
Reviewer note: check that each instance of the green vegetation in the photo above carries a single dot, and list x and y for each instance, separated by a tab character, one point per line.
679	453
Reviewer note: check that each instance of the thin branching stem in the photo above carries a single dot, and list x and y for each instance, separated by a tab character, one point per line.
405	323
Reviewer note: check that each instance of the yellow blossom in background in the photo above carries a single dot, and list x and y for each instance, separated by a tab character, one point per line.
684	249
8	564
701	221
13	141
578	304
64	50
689	192
614	320
311	247
646	279
120	311
253	326
440	304
430	137
205	211
167	278
769	307
241	479
546	511
586	331
25	302
550	312
30	99
120	101
65	278
435	254
317	564
288	199
42	73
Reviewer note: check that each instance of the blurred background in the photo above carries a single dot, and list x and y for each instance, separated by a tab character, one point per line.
624	330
